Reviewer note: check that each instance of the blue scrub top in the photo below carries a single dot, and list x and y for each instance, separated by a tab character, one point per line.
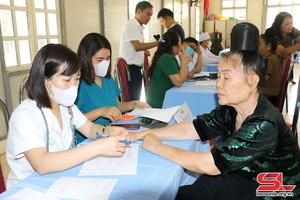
91	97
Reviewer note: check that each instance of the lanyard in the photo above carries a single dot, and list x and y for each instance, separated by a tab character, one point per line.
73	144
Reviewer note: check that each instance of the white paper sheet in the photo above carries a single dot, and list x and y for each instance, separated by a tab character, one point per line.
82	188
203	83
125	165
201	74
29	194
163	115
183	114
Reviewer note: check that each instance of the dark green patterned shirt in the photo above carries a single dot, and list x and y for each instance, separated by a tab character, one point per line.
262	144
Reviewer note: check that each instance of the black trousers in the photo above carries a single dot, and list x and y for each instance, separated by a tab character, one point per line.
228	187
135	85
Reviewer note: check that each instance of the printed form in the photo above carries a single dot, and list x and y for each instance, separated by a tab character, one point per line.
125	165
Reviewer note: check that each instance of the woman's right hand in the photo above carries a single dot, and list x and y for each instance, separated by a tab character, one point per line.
111	146
111	112
184	58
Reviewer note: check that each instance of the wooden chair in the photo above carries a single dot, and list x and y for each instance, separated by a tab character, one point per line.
288	66
145	74
122	77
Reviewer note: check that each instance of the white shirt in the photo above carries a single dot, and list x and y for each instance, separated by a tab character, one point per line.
208	58
192	62
27	130
132	30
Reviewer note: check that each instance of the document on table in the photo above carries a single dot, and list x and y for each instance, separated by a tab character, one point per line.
125	165
82	188
203	83
184	114
163	115
29	194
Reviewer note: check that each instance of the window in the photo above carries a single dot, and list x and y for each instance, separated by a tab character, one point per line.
234	9
276	6
26	26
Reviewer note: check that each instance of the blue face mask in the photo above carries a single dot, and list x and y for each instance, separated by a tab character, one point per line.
189	50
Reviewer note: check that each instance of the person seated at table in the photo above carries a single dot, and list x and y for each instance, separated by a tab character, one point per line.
41	128
207	56
274	76
256	138
164	71
192	47
98	92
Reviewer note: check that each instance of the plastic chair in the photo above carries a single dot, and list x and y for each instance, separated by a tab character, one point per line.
6	113
283	93
2	184
22	88
145	74
7	116
122	77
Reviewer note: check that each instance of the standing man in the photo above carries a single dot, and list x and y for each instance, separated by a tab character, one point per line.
166	18
133	48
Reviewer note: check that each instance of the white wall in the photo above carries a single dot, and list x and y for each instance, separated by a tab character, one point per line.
82	17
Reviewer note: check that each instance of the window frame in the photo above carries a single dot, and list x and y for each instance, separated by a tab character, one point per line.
234	8
33	38
281	7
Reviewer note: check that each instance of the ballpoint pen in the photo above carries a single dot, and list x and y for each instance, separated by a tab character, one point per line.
99	135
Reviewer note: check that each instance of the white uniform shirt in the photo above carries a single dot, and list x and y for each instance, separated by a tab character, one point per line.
192	62
208	58
27	130
132	30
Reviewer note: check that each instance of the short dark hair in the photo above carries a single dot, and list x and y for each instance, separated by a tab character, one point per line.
164	13
143	5
191	40
88	47
48	61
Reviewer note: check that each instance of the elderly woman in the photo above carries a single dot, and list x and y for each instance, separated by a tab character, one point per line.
256	138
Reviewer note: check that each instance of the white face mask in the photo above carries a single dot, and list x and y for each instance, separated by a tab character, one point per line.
209	44
65	97
101	68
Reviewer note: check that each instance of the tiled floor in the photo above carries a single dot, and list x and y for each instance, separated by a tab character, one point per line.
292	94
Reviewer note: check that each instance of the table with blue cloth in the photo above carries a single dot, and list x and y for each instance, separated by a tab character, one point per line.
200	98
156	178
211	68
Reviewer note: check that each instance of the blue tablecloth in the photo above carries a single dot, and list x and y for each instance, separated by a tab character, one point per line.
156	178
211	68
200	98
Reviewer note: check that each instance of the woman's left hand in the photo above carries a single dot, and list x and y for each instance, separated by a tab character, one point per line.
139	104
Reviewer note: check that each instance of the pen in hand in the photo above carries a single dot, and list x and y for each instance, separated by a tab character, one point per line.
100	135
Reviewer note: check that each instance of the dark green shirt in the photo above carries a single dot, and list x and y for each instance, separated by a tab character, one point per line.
262	144
160	82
